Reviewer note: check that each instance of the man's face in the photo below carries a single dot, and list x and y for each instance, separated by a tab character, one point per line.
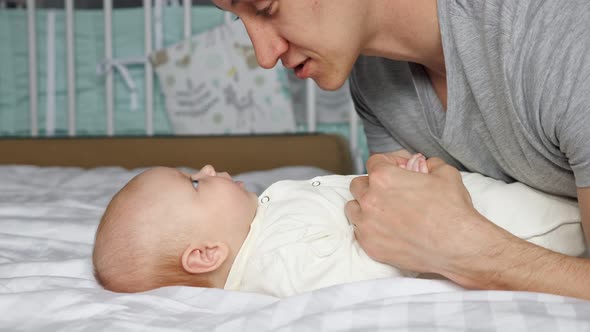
318	39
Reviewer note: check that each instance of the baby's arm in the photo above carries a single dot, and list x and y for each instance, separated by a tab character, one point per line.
417	163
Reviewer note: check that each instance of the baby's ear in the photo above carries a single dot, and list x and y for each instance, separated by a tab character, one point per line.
204	258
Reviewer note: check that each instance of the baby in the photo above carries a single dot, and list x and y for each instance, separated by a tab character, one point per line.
166	228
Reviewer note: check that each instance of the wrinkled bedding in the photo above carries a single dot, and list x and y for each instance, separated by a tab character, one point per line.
47	221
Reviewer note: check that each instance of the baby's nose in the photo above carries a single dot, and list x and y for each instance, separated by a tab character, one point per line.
224	175
208	170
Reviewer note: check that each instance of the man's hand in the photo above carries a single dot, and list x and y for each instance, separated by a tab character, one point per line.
419	222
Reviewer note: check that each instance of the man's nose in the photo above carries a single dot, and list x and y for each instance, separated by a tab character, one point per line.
268	44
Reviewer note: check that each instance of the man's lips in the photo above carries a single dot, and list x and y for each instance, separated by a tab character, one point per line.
294	65
300	67
302	70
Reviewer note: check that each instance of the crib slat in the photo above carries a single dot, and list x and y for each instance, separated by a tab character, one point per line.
149	85
50	113
187	19
108	50
311	106
33	101
71	68
354	140
158	24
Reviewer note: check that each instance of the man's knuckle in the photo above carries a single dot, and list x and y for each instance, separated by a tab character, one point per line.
449	169
368	202
350	208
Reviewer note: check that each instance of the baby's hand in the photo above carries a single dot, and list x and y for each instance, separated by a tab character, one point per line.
417	163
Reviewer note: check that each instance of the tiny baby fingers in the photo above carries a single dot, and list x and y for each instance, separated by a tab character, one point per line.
411	163
423	166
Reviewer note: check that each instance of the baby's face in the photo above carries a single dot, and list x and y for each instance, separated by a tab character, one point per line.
222	197
210	200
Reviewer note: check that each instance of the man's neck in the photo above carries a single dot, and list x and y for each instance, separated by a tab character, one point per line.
406	30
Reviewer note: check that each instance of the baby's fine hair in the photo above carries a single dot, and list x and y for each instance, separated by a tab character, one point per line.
127	261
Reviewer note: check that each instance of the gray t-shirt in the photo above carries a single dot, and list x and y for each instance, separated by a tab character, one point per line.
518	77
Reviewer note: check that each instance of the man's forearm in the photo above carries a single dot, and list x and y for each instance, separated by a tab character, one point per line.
523	266
541	270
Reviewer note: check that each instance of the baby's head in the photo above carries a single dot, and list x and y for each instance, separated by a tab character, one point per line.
166	228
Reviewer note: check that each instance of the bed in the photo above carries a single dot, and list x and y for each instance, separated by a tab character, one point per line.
53	194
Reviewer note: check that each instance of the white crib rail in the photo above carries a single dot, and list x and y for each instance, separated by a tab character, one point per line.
311	106
149	74
158	24
51	72
108	53
187	19
71	68
32	33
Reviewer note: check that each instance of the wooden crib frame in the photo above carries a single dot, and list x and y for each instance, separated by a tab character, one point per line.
234	154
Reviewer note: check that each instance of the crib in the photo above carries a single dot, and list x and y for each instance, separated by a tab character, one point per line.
118	75
60	164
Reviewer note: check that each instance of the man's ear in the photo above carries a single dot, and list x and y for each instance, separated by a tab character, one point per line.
204	258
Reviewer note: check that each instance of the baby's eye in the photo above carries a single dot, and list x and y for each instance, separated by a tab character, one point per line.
195	183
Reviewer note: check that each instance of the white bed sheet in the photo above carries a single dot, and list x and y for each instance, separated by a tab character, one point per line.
47	221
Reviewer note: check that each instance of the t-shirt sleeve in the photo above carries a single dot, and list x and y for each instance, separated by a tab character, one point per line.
378	138
574	134
570	78
554	61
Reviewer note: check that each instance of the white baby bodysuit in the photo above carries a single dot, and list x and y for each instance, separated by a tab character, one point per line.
301	240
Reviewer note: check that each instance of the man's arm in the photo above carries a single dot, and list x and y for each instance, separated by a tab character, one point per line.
427	223
523	266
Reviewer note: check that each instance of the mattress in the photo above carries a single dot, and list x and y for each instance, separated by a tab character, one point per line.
48	216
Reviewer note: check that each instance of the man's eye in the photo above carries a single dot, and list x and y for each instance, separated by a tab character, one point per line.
264	11
195	183
268	9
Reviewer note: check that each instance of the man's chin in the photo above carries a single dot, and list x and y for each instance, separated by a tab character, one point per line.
329	83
